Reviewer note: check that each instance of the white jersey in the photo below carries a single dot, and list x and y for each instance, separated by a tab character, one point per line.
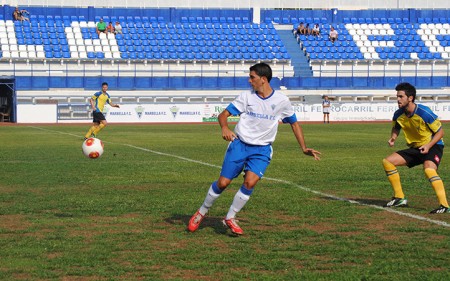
259	117
326	106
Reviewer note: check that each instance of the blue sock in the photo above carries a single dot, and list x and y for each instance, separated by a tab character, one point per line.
246	191
213	193
215	188
239	201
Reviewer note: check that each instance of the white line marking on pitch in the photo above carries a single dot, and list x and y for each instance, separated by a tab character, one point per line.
442	223
417	217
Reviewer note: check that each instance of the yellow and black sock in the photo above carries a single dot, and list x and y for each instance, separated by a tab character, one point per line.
99	128
438	185
89	133
394	178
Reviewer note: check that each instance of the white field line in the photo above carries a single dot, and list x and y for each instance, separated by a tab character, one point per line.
322	194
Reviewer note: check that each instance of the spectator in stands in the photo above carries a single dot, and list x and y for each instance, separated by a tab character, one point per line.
250	144
98	101
101	26
316	30
333	35
110	28
17	16
424	134
308	30
326	105
117	28
20	15
300	29
25	15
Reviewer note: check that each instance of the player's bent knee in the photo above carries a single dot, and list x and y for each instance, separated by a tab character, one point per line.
387	164
250	183
223	183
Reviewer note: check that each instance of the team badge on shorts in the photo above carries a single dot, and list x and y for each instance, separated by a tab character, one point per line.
436	158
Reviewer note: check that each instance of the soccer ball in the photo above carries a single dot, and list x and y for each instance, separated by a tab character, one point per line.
92	148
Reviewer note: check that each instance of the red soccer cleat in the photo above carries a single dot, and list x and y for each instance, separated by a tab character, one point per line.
195	221
231	223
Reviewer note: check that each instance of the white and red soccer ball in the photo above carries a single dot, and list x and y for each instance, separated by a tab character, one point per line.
92	148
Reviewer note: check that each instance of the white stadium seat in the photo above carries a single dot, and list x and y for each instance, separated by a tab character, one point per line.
32	55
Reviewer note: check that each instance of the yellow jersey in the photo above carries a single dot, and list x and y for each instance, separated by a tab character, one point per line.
419	128
100	100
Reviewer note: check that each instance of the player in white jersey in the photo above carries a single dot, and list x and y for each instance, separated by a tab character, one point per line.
326	104
250	145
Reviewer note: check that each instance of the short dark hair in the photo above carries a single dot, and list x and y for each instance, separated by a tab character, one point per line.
262	70
409	89
104	83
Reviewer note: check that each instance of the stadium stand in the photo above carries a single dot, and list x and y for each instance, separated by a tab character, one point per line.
173	49
375	46
142	40
380	48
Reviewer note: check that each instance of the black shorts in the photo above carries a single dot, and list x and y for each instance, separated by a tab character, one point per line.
98	117
413	157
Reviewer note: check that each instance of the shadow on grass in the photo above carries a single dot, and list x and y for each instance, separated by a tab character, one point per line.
378	202
382	203
366	201
208	222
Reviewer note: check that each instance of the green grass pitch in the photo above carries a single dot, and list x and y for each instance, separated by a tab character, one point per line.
123	216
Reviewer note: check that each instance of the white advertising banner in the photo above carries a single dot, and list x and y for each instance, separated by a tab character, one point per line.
164	113
198	113
362	111
37	113
179	113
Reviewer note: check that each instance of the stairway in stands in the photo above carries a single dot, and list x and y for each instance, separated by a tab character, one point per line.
298	58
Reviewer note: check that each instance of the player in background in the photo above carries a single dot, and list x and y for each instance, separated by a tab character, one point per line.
423	133
326	105
250	145
98	101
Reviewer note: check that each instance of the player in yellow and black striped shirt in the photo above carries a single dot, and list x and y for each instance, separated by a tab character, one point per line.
423	134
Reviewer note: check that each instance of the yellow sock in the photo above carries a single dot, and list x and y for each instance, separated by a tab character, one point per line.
89	133
394	178
98	129
438	185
